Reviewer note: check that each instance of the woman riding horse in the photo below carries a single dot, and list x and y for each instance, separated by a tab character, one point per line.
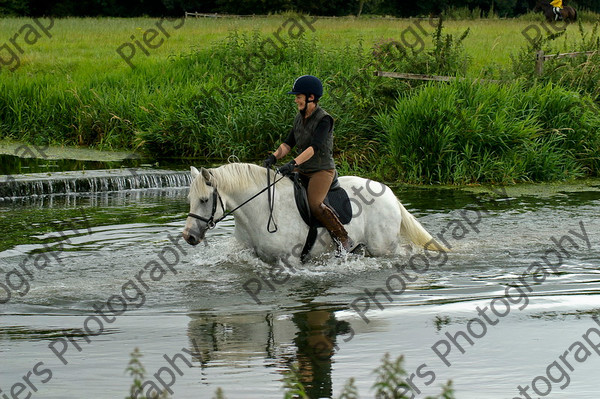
555	10
312	133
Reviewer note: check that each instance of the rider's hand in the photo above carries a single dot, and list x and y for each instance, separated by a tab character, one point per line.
270	161
288	168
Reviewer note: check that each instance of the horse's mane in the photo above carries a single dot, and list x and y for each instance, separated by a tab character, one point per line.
232	177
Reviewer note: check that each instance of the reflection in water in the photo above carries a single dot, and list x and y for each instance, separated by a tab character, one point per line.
305	342
12	164
315	342
302	339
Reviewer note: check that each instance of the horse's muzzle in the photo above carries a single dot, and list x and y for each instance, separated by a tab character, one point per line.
193	238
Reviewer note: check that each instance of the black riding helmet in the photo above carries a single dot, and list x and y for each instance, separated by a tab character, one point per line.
307	85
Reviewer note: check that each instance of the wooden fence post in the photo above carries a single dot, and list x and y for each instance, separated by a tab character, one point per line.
539	62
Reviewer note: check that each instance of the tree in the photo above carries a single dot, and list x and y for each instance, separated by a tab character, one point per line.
14	7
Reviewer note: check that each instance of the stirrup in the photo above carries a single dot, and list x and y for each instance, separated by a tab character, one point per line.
359	249
355	249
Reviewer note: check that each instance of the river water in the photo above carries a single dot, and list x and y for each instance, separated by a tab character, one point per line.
65	255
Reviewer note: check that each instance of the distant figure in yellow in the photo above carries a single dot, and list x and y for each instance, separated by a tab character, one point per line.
554	10
556	7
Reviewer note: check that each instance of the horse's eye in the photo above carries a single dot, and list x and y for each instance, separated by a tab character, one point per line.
204	201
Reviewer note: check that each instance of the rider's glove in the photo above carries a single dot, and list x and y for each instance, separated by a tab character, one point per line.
288	168
270	161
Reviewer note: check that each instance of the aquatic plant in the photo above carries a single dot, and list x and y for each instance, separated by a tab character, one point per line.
138	372
388	384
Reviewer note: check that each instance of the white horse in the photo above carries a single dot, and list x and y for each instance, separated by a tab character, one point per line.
378	222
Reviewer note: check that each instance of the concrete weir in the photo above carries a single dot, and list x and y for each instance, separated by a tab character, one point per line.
91	181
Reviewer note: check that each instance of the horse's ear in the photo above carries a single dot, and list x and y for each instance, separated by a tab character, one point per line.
195	172
206	174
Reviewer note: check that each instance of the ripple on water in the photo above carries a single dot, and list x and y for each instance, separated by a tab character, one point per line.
206	303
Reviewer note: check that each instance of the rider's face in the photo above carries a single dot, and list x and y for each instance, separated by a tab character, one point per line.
301	101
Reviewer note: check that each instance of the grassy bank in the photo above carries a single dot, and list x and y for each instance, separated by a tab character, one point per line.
465	133
203	92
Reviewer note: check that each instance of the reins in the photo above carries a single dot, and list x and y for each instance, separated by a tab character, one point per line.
271	202
211	222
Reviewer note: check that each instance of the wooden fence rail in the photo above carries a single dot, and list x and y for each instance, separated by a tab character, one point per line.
541	58
217	15
214	15
539	68
417	76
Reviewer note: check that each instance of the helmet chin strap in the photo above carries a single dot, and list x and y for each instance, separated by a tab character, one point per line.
306	101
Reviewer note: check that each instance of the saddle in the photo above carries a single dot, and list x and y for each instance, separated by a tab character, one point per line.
337	200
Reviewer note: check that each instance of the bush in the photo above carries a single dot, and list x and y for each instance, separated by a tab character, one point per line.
446	57
204	103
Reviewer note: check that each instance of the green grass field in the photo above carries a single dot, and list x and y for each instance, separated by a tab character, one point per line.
194	93
84	47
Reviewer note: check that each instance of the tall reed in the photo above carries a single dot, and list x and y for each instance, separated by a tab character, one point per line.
471	132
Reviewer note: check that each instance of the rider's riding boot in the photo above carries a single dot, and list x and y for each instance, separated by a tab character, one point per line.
339	234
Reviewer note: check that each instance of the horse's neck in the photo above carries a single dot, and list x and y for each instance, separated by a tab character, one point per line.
242	197
256	209
240	187
237	197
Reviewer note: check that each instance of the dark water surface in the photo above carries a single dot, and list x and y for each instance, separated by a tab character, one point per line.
63	256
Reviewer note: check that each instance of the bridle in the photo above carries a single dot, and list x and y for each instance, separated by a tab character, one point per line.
211	222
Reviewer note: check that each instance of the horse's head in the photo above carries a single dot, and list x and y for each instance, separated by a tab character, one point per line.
206	206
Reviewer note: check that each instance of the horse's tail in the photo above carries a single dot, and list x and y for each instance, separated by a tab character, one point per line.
415	232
